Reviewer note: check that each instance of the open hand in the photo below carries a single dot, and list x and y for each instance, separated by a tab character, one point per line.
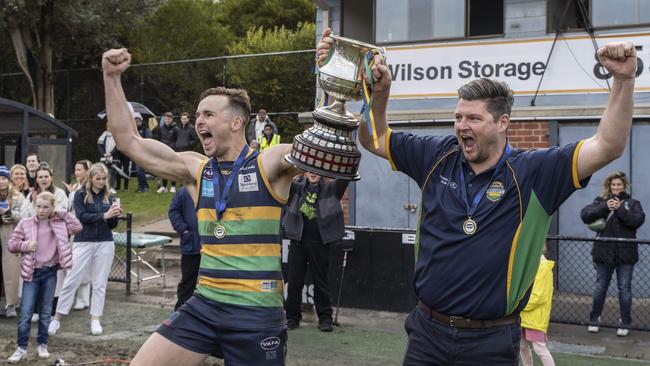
619	59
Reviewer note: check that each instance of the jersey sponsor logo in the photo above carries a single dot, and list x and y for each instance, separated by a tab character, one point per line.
495	191
269	285
446	181
249	167
207	174
270	343
248	182
207	188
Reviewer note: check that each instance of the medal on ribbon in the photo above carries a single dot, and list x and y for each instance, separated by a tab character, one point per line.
470	227
221	198
219	231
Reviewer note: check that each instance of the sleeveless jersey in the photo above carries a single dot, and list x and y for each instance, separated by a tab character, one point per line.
241	272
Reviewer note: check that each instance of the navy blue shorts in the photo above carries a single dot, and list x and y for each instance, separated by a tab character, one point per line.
196	326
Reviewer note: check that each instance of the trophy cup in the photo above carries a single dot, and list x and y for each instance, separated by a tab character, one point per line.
328	148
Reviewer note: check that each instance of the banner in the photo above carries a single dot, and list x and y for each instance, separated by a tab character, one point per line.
438	70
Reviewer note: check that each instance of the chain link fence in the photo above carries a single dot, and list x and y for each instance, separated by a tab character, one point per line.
121	268
575	279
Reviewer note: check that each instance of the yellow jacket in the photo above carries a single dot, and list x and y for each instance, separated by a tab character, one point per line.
537	313
264	144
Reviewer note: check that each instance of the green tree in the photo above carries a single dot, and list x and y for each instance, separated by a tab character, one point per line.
242	15
283	83
45	31
179	30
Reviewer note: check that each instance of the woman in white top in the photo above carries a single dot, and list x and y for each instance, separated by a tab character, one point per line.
44	179
82	299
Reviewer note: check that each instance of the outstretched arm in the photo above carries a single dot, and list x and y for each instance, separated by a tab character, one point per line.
380	94
614	129
278	171
153	156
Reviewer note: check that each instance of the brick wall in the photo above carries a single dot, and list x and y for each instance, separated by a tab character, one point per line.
526	135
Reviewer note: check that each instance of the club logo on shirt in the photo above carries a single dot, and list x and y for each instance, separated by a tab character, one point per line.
495	191
270	343
207	174
248	182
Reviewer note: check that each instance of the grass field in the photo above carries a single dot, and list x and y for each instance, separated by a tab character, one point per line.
348	346
145	207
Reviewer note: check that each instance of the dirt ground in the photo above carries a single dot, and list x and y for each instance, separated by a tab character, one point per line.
127	322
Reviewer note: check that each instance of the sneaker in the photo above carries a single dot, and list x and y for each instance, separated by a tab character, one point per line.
42	351
10	311
162	190
292	324
622	332
95	327
35	318
172	189
79	306
325	327
18	355
593	329
54	327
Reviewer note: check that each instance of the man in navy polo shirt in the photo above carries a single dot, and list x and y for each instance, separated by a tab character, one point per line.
486	210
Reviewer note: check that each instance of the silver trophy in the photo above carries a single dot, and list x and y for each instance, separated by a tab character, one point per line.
328	147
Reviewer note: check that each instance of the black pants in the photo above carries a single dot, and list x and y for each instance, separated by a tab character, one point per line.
317	256
189	274
164	183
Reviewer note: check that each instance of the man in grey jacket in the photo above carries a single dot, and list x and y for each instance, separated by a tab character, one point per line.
256	125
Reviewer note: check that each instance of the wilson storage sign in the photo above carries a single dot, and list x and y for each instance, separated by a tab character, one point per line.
438	70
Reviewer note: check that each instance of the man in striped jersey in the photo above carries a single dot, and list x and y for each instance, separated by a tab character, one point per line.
236	311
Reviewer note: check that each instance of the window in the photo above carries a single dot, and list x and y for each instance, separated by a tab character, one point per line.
485	18
566	15
419	20
607	13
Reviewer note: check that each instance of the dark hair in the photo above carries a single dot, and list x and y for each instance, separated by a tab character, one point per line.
49	170
496	94
185	114
238	99
34	154
168	114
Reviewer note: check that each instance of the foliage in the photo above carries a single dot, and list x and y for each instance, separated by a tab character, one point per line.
179	30
45	33
278	83
242	15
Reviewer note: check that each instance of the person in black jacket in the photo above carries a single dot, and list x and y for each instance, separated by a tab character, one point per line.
144	132
313	219
167	133
187	137
182	215
624	216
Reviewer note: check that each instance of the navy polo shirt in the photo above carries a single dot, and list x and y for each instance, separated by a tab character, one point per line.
485	275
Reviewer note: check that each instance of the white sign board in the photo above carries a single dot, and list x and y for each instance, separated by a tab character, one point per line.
438	70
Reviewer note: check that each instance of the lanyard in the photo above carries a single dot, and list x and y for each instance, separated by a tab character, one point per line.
481	192
221	199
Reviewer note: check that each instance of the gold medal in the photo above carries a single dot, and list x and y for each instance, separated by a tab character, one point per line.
469	226
219	231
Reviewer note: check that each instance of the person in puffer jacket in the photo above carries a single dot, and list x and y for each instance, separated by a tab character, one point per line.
43	242
623	215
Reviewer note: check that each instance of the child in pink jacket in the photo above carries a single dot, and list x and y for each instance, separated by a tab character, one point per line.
43	242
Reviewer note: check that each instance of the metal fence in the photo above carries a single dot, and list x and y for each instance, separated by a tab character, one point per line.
575	278
121	269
